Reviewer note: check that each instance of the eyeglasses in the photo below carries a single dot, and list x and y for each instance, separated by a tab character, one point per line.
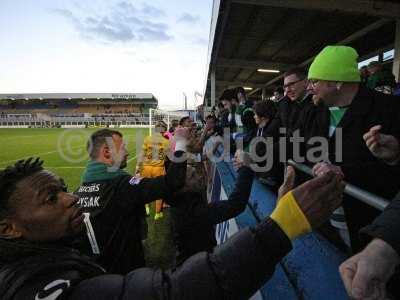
290	84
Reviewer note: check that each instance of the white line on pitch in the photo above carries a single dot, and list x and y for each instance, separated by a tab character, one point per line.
36	155
129	160
47	167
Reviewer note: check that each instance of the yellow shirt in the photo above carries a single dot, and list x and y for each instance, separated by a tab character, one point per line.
155	150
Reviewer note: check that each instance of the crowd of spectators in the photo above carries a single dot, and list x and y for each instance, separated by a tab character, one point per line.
335	101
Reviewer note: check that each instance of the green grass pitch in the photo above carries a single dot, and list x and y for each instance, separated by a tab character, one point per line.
63	150
64	153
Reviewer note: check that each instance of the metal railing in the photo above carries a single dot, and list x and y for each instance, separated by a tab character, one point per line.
351	190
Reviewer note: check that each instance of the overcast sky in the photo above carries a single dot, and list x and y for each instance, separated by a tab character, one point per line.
96	46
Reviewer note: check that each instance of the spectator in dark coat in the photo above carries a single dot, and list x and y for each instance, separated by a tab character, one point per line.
291	108
296	99
347	112
380	79
228	119
264	114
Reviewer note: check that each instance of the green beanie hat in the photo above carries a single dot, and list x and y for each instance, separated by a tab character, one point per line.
335	63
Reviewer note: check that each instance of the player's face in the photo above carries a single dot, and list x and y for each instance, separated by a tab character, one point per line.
160	129
120	153
43	210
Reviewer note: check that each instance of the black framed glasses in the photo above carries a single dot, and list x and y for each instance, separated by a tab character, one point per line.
288	85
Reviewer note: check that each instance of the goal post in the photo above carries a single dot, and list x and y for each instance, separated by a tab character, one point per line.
156	115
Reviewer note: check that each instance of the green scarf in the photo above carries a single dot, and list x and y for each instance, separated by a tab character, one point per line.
97	171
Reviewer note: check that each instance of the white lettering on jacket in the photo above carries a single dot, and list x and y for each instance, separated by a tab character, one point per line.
89	201
95	187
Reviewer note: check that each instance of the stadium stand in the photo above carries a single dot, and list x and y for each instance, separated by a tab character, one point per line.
60	110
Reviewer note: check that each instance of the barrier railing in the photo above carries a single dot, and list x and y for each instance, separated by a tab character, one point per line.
308	272
351	190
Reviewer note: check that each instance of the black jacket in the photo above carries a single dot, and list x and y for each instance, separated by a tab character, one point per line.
194	218
116	210
226	123
36	271
289	116
359	166
386	226
234	270
274	175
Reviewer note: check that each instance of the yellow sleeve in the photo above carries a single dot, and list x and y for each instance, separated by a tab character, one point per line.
288	215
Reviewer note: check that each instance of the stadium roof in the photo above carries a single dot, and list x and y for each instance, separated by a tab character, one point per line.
80	96
247	35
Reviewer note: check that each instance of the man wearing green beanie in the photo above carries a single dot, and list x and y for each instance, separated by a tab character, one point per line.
346	112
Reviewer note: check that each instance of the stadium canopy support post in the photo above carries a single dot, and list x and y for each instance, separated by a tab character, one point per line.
264	94
212	88
396	59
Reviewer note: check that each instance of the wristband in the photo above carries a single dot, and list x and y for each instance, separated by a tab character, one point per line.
290	217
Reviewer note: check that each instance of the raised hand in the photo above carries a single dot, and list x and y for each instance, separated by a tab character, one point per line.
382	146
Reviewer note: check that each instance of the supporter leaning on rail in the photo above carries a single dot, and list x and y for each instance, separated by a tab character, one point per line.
210	136
116	199
228	119
38	218
242	97
335	79
264	115
220	111
296	99
197	140
286	120
365	274
243	102
185	122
